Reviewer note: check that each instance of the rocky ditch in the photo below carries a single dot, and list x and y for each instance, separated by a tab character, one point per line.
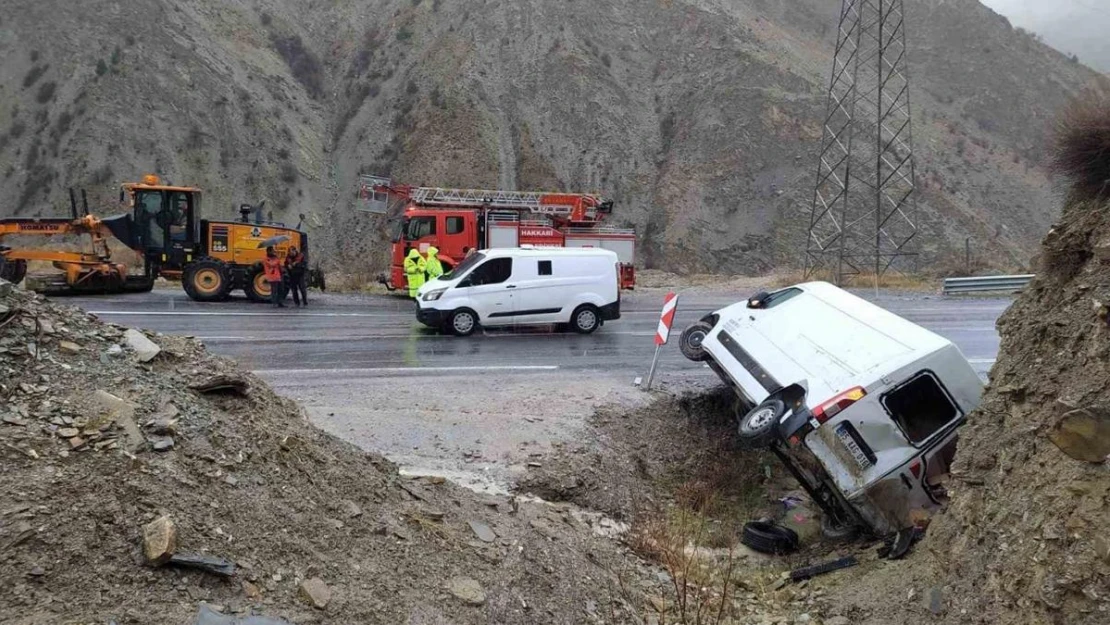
146	481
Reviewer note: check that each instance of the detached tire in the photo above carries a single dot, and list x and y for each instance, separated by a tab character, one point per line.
758	427
690	341
586	319
462	322
769	538
207	280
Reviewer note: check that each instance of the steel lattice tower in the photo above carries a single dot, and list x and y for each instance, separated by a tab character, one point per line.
864	208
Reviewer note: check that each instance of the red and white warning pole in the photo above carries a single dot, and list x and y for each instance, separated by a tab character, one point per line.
663	332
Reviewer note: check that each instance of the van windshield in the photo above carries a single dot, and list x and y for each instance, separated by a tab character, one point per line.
464	266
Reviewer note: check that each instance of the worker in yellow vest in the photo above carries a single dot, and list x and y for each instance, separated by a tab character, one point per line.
415	266
435	267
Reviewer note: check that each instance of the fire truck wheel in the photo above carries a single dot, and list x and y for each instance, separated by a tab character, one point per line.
690	341
586	319
207	280
758	427
463	322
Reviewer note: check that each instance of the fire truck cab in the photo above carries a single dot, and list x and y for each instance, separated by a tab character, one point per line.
457	220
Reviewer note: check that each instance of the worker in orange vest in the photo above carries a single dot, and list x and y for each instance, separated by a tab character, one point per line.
271	267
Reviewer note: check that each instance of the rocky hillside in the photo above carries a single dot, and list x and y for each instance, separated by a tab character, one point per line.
700	117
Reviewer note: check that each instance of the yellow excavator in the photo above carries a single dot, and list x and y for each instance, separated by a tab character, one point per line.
163	224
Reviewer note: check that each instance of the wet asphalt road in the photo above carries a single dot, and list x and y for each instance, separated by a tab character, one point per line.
378	336
479	410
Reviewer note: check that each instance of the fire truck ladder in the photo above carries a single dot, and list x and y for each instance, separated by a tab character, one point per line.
571	206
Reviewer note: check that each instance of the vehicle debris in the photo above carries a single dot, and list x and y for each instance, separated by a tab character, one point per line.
209	564
809	572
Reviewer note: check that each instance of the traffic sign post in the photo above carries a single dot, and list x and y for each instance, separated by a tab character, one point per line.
663	333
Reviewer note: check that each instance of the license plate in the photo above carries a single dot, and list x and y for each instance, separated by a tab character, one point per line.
850	443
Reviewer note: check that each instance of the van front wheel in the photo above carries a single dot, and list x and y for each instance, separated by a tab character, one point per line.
757	428
690	341
586	319
462	323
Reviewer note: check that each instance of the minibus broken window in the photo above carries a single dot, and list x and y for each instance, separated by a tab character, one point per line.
921	407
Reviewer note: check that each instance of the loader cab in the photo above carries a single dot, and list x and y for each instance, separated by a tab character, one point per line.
167	222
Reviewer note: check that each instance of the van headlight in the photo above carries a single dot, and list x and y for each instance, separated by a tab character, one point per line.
432	296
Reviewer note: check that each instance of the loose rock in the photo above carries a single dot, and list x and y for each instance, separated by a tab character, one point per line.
145	349
467	589
159	541
483	531
350	508
315	593
163	444
1084	434
69	346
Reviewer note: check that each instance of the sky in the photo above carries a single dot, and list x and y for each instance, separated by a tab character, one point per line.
1080	27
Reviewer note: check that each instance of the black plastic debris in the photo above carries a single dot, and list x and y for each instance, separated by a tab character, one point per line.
807	572
208	564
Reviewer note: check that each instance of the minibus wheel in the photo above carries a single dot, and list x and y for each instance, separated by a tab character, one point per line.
690	341
757	428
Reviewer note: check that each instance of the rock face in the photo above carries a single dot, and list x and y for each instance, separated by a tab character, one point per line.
159	541
1024	539
701	119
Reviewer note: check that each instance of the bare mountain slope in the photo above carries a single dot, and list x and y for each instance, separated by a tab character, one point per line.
700	117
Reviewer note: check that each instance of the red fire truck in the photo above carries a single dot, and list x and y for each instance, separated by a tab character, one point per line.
454	220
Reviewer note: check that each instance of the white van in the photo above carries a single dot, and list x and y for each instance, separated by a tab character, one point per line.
860	404
499	287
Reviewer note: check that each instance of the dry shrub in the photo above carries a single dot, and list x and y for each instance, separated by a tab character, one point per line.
702	584
1082	145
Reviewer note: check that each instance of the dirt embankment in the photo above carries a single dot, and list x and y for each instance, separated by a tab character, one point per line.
1024	540
95	444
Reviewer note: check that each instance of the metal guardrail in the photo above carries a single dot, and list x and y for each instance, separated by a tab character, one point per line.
985	284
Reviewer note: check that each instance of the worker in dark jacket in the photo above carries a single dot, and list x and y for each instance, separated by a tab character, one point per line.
296	269
271	268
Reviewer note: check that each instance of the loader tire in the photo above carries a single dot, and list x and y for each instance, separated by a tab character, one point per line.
256	287
207	280
13	270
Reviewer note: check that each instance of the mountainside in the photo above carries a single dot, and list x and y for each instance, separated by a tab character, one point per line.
701	118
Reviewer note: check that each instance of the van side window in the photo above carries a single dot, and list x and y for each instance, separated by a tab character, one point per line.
781	297
494	271
454	225
545	267
920	406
